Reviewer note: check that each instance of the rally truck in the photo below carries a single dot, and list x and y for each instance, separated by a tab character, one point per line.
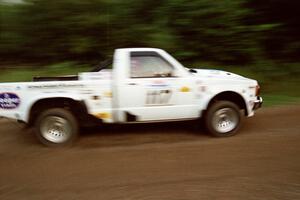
139	85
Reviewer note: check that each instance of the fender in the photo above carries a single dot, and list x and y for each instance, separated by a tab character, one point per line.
32	101
229	95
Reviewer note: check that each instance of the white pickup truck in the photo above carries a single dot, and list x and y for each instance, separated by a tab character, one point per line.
144	85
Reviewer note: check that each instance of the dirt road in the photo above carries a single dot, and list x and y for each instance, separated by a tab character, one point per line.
161	161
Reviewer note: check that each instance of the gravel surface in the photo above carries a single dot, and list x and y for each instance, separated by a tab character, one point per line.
158	161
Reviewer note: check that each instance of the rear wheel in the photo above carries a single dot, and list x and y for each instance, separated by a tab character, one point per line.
56	127
223	119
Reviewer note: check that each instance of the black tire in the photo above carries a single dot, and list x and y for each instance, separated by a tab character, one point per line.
56	127
223	119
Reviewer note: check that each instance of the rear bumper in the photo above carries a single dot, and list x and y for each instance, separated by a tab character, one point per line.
257	103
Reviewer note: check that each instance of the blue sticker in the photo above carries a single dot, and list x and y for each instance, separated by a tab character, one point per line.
158	85
9	101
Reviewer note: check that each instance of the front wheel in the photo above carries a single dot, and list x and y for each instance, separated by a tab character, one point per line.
56	127
223	119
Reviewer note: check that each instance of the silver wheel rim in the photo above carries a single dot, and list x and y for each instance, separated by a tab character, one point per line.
225	120
55	129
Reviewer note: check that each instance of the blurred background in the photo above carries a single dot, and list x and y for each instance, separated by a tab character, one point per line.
258	39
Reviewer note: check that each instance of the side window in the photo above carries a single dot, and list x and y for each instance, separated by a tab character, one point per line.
147	66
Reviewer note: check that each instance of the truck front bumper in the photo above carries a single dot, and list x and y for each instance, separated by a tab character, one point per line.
257	103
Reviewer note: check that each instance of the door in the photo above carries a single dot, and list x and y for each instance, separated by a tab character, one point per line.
154	90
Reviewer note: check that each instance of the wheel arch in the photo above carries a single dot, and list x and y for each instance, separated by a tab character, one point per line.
78	108
231	96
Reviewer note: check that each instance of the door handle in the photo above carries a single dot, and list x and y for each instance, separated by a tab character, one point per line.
132	83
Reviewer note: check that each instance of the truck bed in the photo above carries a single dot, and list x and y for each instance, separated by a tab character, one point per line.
56	78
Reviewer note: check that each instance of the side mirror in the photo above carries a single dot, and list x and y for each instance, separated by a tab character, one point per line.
192	71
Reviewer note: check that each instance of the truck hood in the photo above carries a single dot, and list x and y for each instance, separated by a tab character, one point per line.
219	74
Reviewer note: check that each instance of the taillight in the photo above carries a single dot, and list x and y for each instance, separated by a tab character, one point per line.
257	90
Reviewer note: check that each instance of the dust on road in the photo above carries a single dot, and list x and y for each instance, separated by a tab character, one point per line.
158	161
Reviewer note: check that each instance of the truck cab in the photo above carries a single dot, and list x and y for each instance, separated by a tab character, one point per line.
151	85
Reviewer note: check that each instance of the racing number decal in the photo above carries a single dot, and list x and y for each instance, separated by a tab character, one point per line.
158	97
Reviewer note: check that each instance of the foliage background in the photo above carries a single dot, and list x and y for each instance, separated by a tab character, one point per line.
260	39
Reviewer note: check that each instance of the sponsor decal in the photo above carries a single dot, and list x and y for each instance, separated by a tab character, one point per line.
108	94
9	101
103	115
53	86
185	89
158	97
202	88
158	83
